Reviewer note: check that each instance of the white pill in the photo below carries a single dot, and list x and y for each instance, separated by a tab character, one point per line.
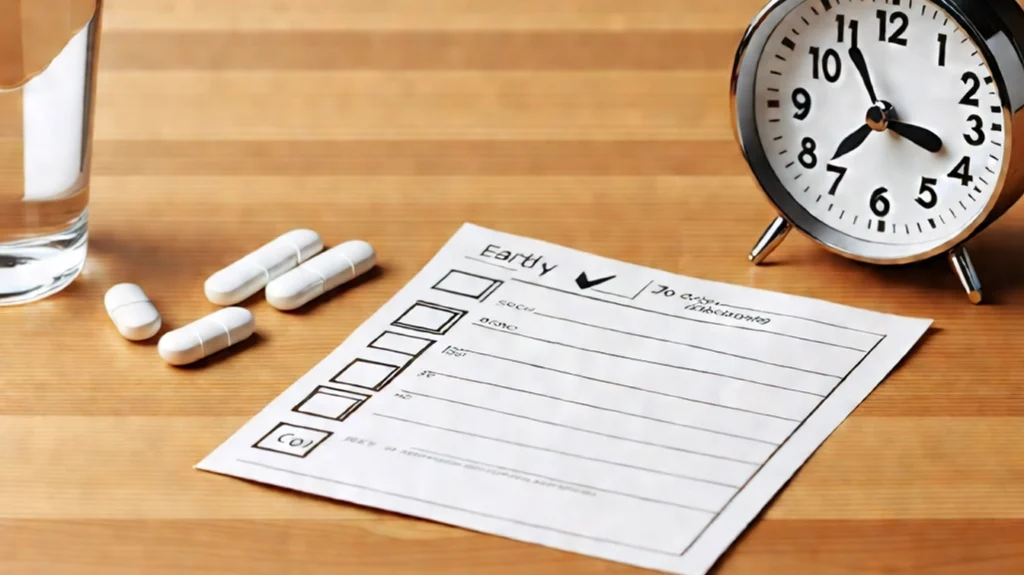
132	312
321	274
249	274
206	336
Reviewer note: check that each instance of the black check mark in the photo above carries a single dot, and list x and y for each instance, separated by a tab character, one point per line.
584	282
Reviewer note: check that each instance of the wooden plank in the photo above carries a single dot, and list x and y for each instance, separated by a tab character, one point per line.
426	158
331	546
373	105
490	15
420	50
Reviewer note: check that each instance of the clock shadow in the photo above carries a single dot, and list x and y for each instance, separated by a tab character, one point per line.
931	275
998	257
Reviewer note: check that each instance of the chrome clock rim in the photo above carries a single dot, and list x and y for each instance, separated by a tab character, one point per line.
998	46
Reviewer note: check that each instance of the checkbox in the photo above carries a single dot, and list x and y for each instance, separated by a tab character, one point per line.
467	285
294	440
367	374
401	343
429	318
330	403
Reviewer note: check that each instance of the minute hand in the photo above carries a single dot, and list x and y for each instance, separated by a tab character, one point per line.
921	136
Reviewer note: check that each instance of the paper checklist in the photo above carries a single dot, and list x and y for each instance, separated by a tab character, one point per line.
536	392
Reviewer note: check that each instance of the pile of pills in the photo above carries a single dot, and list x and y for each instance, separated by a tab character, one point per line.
288	268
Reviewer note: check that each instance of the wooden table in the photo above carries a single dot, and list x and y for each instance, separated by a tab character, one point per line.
599	124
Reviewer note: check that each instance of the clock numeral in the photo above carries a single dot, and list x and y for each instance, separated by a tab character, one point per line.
830	65
807	157
971	79
901	21
841	27
962	171
942	50
926	197
802	101
835	170
978	137
879	203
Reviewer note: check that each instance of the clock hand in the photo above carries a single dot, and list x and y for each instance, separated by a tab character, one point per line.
862	68
851	142
921	136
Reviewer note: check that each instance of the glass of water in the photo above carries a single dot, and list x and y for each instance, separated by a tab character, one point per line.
48	57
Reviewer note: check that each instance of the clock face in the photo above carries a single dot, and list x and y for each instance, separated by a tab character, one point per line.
918	161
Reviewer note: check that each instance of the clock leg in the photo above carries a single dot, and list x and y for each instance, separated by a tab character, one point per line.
961	263
770	239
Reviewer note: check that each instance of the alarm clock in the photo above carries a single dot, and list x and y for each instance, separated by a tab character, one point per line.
884	130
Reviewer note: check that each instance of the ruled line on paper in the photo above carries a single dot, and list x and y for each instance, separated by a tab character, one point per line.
690	345
668	365
629	387
447	506
691	319
574	428
626	386
608	409
595	488
558	452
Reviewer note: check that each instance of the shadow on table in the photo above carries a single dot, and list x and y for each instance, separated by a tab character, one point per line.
998	256
182	263
157	266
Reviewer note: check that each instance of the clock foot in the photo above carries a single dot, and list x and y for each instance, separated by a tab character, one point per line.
770	239
961	263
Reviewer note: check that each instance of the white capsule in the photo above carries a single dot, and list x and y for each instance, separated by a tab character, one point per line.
255	270
321	274
206	336
131	311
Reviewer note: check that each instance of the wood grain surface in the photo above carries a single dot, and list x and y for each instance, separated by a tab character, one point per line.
602	125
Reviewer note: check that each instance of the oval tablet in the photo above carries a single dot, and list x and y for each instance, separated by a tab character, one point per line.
131	311
321	274
249	274
206	336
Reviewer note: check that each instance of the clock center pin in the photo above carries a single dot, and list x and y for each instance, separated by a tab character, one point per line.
878	116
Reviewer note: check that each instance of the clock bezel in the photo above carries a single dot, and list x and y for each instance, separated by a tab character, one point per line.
971	17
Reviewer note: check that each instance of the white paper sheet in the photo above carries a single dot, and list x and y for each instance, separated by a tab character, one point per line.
536	392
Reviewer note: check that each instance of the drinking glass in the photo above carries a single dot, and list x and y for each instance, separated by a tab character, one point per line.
48	56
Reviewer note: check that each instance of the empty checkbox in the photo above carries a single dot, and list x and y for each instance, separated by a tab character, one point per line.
367	374
429	318
330	403
401	343
467	285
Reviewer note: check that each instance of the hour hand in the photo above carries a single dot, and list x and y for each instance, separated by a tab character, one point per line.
851	142
862	69
921	136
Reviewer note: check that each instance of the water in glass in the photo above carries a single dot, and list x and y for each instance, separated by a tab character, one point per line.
48	56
